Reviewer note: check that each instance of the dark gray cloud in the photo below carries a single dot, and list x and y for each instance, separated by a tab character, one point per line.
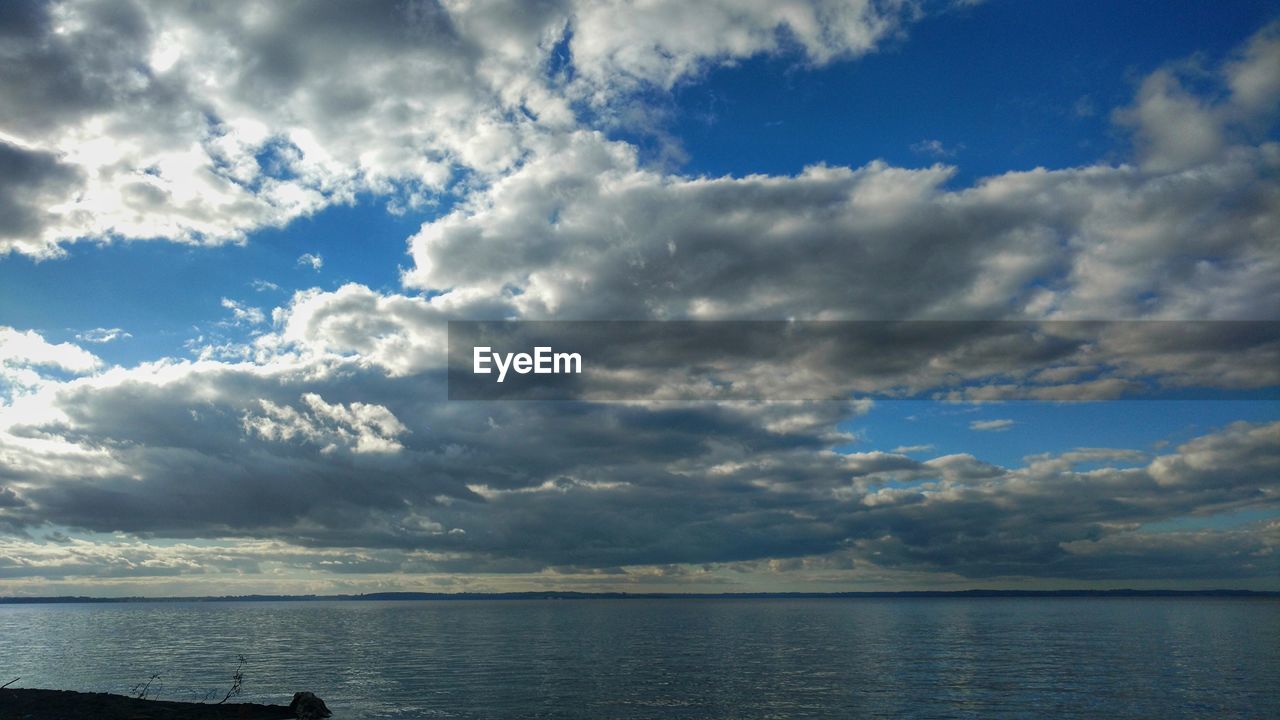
31	182
59	69
357	459
802	360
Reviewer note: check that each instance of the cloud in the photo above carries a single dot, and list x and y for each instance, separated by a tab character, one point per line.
581	231
661	43
241	313
311	260
405	335
102	335
29	362
358	427
248	121
991	425
1177	128
200	123
29	349
319	451
33	186
8	498
401	334
935	148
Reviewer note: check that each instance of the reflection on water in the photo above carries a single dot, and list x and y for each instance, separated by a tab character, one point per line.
676	658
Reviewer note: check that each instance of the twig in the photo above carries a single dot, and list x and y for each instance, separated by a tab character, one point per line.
237	682
10	683
143	688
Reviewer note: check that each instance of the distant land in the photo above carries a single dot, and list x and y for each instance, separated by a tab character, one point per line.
562	595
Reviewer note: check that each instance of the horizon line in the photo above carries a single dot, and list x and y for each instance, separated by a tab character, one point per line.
410	595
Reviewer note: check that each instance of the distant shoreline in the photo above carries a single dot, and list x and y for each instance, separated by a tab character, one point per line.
568	595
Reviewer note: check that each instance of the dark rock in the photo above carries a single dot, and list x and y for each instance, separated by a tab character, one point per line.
32	704
306	706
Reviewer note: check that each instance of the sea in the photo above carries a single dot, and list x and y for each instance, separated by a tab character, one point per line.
1109	657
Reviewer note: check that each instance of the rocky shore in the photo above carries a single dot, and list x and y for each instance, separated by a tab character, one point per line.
30	704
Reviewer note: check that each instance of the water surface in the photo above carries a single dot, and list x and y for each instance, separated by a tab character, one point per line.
688	658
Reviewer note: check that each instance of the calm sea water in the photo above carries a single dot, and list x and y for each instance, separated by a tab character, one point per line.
859	658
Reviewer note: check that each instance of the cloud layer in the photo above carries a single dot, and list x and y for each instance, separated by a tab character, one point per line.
321	448
324	454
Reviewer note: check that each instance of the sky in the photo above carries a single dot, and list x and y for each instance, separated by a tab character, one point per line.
232	235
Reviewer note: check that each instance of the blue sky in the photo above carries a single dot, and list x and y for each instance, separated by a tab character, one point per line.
304	200
1038	427
166	294
1001	86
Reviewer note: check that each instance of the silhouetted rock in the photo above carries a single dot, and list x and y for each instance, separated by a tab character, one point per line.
306	706
33	704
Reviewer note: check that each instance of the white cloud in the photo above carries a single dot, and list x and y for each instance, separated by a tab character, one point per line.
357	427
199	123
935	148
622	42
1178	129
28	349
102	335
311	260
26	357
991	425
582	231
401	334
241	313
